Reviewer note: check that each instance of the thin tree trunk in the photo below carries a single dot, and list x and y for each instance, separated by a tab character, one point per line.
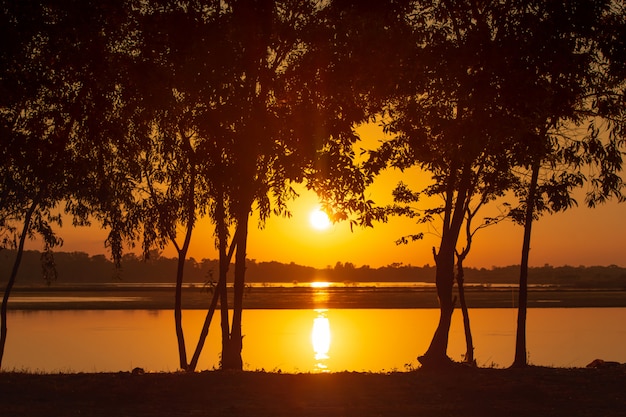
12	277
182	257
220	288
520	341
178	314
205	327
469	344
224	321
240	277
223	271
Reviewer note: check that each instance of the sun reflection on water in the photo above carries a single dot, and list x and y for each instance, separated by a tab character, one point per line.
320	294
320	339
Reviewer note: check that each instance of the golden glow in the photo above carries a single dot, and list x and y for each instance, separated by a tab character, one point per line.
292	238
319	219
320	284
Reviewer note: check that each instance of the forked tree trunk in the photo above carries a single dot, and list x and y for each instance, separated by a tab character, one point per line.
521	355
219	290
180	270
12	277
436	355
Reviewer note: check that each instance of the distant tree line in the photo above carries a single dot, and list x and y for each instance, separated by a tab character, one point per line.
81	268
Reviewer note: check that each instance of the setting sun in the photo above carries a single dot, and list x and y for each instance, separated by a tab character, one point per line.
319	220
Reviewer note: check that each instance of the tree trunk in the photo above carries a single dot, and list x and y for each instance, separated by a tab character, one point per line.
520	341
436	355
205	327
219	290
223	271
231	359
469	343
178	314
12	277
182	256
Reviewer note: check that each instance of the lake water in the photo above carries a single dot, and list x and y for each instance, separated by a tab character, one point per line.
377	340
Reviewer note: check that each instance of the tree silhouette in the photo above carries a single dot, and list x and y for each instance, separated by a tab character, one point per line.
262	152
451	119
567	85
226	136
488	89
147	117
49	99
175	150
205	132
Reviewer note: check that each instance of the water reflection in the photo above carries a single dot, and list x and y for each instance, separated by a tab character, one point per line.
320	295
320	338
376	340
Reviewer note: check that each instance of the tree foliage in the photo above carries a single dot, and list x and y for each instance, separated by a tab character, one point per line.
148	116
488	89
58	117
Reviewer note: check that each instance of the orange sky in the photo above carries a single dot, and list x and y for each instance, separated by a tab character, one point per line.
580	236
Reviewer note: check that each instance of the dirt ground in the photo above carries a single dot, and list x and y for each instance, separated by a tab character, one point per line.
467	392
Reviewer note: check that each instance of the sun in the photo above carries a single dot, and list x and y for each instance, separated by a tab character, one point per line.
319	219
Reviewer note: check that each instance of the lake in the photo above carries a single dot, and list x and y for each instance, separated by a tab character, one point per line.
305	340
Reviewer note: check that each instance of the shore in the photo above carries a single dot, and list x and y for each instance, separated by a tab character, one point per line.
468	392
142	297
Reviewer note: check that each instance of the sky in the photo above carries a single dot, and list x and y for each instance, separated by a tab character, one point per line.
577	237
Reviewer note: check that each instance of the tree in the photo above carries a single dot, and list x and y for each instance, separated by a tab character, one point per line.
297	104
225	135
261	152
450	118
48	73
36	128
174	153
476	102
569	85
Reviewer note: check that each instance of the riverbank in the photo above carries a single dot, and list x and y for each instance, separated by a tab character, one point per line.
146	297
483	392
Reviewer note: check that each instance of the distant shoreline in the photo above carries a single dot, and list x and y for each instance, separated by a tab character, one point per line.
79	268
159	297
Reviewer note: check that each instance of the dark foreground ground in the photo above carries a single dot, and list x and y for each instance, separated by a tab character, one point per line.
463	392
